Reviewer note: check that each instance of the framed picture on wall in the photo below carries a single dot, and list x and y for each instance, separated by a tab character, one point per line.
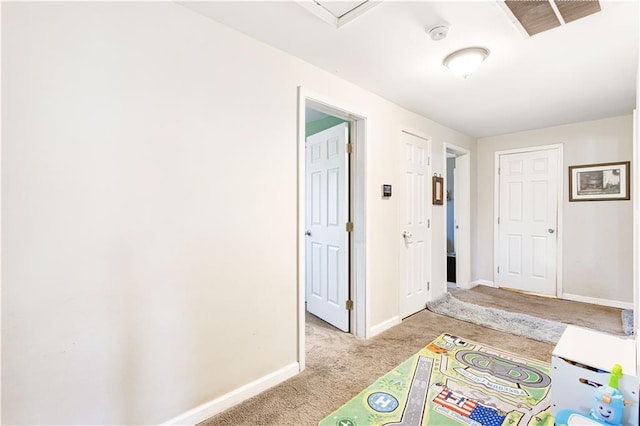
600	182
438	190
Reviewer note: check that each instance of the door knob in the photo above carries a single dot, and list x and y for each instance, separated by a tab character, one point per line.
551	231
308	233
407	234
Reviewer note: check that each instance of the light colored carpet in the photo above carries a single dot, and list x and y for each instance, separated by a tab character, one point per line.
340	366
524	325
596	317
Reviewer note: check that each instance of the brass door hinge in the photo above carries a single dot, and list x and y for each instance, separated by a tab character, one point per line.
349	226
349	148
349	305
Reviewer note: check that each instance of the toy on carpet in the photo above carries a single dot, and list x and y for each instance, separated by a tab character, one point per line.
607	409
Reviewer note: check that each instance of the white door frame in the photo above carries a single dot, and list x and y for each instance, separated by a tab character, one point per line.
496	209
358	269
635	196
463	236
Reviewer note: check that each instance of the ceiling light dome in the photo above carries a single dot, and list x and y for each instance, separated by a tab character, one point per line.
465	61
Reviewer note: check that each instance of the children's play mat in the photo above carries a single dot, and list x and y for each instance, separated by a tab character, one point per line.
454	381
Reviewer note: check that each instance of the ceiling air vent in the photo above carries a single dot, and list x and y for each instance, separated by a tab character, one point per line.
572	10
535	16
337	13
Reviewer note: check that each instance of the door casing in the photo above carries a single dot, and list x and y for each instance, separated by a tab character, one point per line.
462	235
360	318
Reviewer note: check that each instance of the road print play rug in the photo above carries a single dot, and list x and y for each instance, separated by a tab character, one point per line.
454	381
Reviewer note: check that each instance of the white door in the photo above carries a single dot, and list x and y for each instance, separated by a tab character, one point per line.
527	222
415	197
462	225
326	234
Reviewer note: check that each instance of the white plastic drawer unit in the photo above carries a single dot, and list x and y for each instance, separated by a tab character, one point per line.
582	360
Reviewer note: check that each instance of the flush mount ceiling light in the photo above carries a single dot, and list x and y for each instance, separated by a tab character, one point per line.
465	61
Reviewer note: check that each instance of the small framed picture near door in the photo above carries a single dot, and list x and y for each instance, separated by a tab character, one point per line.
438	190
600	182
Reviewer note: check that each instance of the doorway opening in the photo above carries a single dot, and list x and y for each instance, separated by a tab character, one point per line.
331	220
458	216
450	200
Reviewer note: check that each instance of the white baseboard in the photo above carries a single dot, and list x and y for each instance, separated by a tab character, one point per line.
385	325
483	282
597	301
218	405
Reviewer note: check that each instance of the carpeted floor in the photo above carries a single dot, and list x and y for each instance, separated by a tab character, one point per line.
340	366
439	384
596	317
528	326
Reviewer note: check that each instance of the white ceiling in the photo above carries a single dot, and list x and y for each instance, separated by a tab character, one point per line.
581	71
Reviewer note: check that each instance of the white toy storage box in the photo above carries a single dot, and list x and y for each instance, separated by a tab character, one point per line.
585	357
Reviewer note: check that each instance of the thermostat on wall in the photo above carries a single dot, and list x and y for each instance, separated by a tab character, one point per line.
386	190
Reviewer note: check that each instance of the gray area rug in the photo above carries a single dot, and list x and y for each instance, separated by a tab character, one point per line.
509	322
627	321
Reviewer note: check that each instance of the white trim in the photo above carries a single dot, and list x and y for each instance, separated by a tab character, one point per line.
359	265
359	268
512	18
597	301
418	134
560	223
460	151
635	187
531	148
336	22
557	12
572	297
319	12
384	326
560	209
486	283
228	400
496	213
301	230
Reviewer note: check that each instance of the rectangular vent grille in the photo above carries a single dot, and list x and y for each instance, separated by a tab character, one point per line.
572	10
536	16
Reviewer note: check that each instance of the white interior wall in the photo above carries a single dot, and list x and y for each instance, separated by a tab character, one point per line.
149	209
597	244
